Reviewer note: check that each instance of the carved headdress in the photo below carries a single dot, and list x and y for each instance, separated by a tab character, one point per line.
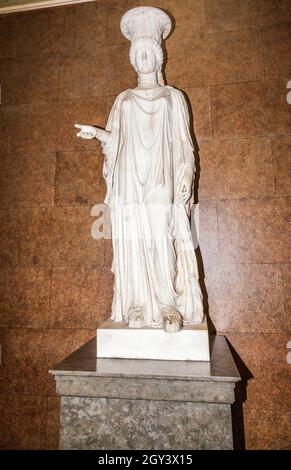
146	24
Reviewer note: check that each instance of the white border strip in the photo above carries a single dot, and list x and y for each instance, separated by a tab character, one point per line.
39	5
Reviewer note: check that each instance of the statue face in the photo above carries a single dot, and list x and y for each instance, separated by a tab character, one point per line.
145	60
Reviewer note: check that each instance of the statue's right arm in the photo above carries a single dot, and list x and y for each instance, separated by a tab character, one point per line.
90	132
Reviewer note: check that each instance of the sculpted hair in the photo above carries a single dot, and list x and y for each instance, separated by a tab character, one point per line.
151	44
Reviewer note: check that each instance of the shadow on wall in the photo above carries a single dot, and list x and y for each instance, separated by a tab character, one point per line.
240	398
201	271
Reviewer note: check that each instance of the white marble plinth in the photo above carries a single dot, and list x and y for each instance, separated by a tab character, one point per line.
117	340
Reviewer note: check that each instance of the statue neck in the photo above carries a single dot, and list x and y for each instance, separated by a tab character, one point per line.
147	80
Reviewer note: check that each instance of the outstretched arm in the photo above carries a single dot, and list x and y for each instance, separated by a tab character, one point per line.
90	132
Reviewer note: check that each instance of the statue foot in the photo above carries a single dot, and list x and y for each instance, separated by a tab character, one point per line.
135	318
172	320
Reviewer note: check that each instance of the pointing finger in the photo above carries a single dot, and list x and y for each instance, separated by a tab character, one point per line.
79	126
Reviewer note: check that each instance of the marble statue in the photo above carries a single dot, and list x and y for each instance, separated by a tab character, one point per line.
149	170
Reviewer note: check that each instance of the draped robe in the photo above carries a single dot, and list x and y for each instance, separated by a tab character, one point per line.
147	151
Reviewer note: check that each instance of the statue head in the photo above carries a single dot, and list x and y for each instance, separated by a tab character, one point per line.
146	27
146	55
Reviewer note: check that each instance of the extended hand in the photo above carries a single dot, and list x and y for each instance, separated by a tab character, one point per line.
89	132
86	132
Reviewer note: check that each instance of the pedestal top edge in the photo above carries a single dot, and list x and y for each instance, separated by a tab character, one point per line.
84	362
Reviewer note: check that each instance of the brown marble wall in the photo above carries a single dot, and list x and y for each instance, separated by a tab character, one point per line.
65	65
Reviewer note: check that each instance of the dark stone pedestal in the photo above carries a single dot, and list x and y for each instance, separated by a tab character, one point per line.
146	404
